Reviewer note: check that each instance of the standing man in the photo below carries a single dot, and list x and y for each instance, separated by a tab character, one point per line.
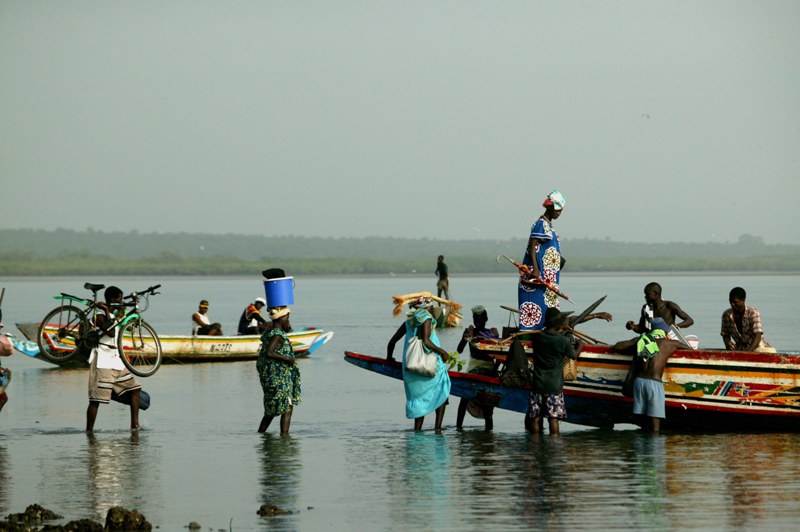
443	284
653	349
551	348
655	307
107	373
251	321
479	364
741	325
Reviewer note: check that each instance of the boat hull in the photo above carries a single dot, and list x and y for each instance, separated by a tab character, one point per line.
185	349
705	390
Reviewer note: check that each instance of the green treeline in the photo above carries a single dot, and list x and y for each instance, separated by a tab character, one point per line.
67	252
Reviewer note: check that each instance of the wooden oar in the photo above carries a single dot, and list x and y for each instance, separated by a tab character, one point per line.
583	336
538	281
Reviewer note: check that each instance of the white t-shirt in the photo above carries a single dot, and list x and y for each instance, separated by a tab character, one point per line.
106	353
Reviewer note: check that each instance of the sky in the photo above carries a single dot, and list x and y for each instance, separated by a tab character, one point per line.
658	121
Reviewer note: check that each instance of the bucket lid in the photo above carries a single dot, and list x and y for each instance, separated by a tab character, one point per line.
273	273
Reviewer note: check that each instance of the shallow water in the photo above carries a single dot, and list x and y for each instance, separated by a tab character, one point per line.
351	461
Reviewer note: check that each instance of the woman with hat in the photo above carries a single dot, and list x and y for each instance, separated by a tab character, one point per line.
278	371
544	262
423	394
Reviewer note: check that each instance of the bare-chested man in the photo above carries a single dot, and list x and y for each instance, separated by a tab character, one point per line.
655	307
651	352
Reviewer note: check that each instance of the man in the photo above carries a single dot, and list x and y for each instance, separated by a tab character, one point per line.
201	325
551	348
652	350
251	320
655	307
741	325
107	373
479	364
443	284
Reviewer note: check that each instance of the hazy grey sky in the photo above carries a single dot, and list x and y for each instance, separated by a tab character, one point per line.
659	121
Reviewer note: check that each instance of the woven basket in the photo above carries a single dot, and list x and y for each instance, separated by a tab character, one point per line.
570	370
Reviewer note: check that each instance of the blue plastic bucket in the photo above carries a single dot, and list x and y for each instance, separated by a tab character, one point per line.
280	292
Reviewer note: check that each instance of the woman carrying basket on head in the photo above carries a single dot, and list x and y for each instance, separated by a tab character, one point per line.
423	394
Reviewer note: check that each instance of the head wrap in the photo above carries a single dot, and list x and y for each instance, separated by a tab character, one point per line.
647	347
555	200
260	300
278	312
203	303
421	302
478	309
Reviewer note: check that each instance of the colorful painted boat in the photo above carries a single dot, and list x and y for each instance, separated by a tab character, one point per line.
181	349
705	389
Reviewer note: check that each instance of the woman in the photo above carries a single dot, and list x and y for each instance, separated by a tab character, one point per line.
278	371
544	261
423	394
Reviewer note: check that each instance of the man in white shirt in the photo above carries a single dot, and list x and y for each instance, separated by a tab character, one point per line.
107	373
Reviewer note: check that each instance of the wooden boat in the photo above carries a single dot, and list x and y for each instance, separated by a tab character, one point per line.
705	389
180	349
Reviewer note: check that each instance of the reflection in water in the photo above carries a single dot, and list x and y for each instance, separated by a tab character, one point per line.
5	480
116	464
281	469
419	483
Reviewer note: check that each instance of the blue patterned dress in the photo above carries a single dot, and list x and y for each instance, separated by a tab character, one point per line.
535	299
424	394
279	380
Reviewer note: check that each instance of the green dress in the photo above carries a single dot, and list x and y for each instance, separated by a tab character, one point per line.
279	380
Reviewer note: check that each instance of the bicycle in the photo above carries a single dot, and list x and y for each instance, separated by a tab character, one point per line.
68	331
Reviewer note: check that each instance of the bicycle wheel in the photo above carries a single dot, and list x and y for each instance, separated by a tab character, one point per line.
60	333
139	347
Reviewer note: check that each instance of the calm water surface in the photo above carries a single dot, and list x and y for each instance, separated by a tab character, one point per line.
351	461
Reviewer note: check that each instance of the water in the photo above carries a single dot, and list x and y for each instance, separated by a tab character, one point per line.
351	461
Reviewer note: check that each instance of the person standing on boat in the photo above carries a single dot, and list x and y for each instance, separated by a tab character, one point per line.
551	348
479	364
107	373
278	371
423	394
655	307
443	284
652	350
741	325
544	262
201	325
251	321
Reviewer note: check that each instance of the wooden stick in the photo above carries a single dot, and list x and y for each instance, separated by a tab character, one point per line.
583	336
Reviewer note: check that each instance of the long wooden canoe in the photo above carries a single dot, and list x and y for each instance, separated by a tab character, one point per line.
182	349
705	389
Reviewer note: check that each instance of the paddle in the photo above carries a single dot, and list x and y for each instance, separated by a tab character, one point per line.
524	269
589	310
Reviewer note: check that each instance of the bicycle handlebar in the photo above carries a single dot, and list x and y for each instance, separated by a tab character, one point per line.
151	290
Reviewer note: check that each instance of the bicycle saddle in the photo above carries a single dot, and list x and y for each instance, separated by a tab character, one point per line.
94	287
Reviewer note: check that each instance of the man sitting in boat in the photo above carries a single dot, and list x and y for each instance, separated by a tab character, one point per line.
201	325
479	364
741	325
655	307
251	320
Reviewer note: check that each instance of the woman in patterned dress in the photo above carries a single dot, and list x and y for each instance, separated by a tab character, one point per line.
278	371
543	259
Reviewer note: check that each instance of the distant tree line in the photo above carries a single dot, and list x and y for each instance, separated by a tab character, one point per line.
68	252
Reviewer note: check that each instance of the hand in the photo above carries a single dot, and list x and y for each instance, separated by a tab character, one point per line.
629	325
604	316
444	355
